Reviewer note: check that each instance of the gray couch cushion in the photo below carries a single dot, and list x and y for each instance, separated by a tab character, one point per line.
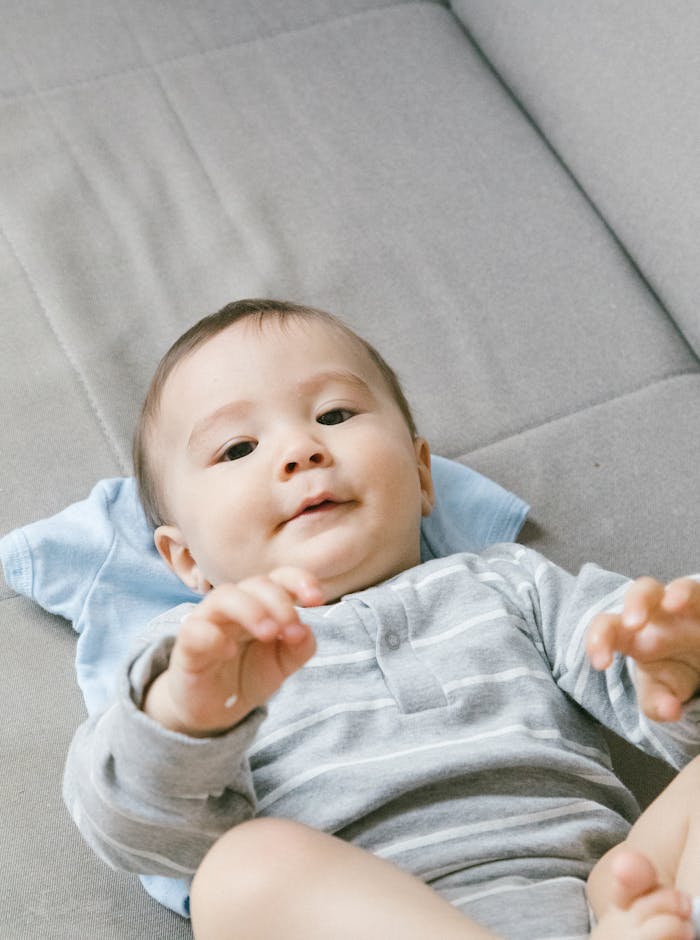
431	214
52	885
614	483
50	46
614	87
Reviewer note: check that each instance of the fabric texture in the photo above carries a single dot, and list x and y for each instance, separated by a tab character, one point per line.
95	562
633	151
448	722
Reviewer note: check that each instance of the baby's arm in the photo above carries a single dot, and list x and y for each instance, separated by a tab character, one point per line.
233	651
151	799
659	627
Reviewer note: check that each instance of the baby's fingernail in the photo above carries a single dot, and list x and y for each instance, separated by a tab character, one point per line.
294	632
633	618
268	627
599	660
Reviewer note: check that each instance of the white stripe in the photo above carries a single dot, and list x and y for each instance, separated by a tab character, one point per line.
579	807
500	889
646	731
320	662
684	731
460	628
434	576
300	779
444	573
517	673
616	690
606	603
490	576
107	798
582	679
318	717
80	814
606	780
541	570
506	559
569	936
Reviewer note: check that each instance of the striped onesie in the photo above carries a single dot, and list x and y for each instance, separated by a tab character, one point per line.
448	722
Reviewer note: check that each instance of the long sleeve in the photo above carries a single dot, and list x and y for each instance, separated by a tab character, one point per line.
152	801
559	608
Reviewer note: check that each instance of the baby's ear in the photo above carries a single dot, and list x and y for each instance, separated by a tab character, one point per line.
425	475
174	551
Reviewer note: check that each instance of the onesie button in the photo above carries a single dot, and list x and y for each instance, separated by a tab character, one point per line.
393	640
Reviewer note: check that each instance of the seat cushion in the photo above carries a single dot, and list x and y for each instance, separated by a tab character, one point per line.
614	87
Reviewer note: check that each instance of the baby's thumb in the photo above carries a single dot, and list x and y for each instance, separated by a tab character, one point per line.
297	646
656	699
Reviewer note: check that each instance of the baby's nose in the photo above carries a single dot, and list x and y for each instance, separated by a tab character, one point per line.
315	458
304	455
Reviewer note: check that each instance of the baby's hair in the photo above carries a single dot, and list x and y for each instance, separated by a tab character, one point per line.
260	311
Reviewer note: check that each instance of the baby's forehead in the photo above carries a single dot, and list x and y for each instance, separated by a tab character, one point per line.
295	345
236	361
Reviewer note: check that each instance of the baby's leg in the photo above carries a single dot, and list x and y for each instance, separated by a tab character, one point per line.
271	878
665	841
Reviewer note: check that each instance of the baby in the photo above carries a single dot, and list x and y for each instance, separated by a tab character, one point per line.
443	716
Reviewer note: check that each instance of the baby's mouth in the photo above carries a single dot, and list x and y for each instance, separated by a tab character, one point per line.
317	506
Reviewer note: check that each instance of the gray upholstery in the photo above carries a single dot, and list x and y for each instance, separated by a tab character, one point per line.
503	197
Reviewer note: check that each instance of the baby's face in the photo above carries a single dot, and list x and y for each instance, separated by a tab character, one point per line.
284	446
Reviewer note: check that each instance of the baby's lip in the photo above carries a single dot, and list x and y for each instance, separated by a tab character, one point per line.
320	502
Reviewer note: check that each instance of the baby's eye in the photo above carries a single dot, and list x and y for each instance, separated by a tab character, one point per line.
335	416
237	450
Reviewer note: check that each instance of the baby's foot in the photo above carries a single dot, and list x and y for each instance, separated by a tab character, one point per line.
641	909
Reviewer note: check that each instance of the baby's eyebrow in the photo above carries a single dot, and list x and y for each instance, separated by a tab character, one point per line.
232	409
243	407
344	376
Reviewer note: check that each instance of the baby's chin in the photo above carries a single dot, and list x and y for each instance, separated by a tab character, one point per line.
371	572
340	566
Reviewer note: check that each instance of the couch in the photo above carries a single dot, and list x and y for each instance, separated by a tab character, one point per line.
502	196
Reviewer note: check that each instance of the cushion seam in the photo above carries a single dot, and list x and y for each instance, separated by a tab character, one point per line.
644	278
74	365
527	429
214	50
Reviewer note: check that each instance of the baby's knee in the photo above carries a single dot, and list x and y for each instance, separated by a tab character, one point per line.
250	864
692	770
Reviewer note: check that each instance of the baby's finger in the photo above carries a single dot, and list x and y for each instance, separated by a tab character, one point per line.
641	600
301	584
663	915
292	655
201	642
656	700
606	636
682	597
240	613
277	600
663	688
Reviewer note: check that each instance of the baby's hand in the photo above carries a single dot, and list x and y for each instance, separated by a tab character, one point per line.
660	629
233	651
